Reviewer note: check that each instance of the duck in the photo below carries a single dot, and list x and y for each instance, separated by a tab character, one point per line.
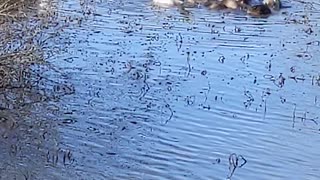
223	4
274	4
167	3
194	3
172	3
260	9
253	7
231	4
184	3
216	5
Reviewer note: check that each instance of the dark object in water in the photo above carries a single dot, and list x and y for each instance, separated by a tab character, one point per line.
259	10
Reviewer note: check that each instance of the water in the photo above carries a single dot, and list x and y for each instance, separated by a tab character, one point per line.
137	92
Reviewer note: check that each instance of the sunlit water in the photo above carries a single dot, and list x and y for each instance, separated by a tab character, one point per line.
152	94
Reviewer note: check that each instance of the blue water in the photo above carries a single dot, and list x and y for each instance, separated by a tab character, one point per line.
148	93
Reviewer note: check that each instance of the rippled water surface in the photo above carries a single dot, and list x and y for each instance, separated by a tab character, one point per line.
138	92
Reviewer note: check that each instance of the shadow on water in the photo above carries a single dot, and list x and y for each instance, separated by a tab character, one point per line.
29	138
124	90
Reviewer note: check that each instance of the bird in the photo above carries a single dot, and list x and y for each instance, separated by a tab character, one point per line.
274	4
167	3
260	8
172	3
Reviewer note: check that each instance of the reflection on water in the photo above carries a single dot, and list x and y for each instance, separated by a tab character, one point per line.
124	90
29	88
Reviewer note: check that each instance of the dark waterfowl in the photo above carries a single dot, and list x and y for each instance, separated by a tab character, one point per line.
272	4
260	9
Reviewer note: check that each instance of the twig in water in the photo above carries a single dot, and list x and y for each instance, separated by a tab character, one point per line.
188	62
294	116
171	113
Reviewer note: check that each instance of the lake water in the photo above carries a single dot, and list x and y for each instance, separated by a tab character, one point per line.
130	91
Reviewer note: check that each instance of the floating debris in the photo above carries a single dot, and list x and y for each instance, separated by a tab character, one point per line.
235	161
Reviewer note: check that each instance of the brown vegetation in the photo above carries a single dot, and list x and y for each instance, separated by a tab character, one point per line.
22	48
